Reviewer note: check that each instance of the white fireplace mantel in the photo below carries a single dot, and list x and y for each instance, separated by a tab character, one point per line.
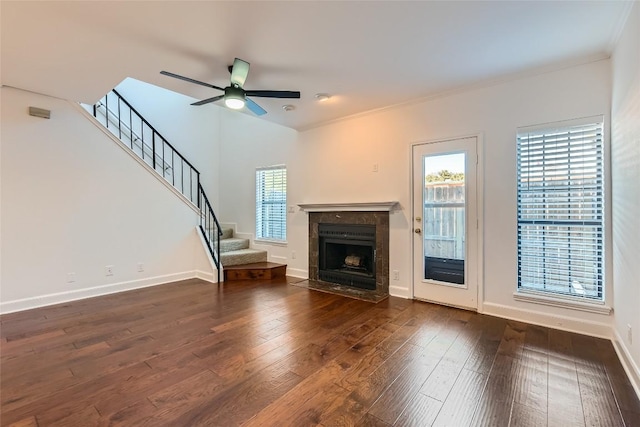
349	207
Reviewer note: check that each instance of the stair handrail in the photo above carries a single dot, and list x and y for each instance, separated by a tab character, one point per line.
156	131
155	152
208	219
165	166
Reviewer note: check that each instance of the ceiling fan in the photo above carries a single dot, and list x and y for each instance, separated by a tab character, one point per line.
235	96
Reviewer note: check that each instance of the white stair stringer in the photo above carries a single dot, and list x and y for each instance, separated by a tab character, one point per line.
214	270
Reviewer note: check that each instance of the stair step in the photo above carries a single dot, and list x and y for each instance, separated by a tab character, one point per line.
242	256
227	233
233	244
255	271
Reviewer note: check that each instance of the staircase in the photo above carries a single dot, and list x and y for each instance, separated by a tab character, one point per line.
236	251
239	261
243	263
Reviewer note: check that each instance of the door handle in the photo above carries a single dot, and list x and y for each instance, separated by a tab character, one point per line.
417	231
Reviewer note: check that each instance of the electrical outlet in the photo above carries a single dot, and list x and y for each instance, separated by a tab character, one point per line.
630	333
396	275
291	209
140	267
108	270
375	167
71	277
293	254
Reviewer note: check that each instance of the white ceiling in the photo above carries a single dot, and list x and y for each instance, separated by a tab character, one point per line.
368	55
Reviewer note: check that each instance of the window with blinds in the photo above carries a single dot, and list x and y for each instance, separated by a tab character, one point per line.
560	210
271	203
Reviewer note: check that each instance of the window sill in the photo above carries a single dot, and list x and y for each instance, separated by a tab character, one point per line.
534	298
270	242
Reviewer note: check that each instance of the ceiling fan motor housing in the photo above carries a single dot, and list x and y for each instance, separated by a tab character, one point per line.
234	92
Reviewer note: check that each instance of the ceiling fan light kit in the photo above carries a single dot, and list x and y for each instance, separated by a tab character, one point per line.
235	96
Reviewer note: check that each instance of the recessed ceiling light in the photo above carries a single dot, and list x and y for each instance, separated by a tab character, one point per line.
321	97
288	107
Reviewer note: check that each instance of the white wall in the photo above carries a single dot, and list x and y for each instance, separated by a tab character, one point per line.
333	163
73	201
625	147
193	131
221	143
246	143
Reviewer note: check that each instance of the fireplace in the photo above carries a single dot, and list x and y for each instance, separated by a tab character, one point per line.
347	254
349	249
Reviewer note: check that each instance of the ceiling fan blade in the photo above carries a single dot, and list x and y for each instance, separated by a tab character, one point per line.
239	72
208	100
187	79
255	108
273	93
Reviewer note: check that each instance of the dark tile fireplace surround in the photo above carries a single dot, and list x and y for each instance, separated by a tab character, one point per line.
349	253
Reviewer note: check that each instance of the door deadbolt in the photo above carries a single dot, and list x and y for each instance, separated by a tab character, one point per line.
418	219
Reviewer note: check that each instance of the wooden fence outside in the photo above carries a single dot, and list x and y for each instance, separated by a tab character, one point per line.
444	220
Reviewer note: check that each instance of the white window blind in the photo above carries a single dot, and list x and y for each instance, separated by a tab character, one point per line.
560	211
271	203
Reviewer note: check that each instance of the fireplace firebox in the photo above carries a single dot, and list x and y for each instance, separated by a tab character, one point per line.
347	254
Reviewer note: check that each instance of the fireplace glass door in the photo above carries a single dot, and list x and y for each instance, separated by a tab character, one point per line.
347	255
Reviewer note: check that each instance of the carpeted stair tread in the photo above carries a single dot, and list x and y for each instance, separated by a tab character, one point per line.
233	244
243	256
227	233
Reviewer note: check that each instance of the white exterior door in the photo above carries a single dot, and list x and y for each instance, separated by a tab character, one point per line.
445	222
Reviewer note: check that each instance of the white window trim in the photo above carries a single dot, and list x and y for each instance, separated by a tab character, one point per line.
568	301
270	242
267	240
598	307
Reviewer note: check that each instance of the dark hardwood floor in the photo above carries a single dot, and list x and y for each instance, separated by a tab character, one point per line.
272	354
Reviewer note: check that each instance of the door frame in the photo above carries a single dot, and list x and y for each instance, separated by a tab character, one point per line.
479	214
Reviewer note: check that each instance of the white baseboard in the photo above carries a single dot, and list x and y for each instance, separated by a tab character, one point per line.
236	233
399	291
241	235
57	298
231	225
629	365
297	272
208	276
584	327
278	259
